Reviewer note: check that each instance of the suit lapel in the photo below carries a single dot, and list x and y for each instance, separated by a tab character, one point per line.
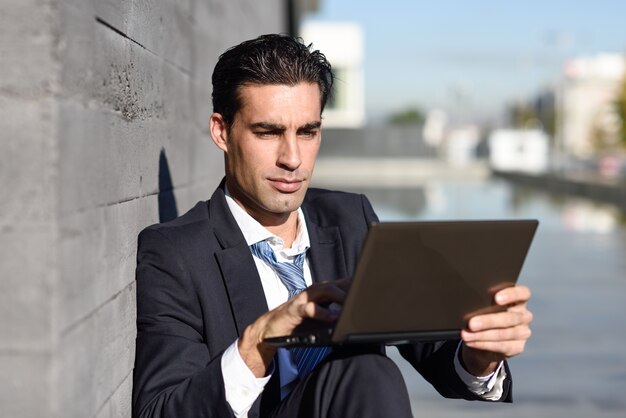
239	272
243	283
327	261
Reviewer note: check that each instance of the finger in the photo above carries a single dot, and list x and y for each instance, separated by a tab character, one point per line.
315	311
324	293
518	333
513	295
506	319
507	349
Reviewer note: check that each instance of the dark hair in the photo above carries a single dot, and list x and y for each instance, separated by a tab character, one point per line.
268	59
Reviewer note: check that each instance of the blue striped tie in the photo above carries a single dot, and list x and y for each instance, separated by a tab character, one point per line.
292	276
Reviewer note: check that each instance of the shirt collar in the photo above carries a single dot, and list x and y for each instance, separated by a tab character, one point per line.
254	232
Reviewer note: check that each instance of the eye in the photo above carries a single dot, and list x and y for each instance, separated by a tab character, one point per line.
266	134
309	133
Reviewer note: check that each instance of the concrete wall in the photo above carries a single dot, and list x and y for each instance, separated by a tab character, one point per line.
104	106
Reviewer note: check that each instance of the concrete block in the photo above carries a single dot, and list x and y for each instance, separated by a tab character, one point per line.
139	106
27	146
126	78
27	222
97	256
25	385
187	197
206	161
119	161
102	69
259	17
119	405
96	356
26	289
27	48
116	13
200	98
162	27
104	158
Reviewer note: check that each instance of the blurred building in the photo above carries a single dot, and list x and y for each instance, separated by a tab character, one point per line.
343	45
544	106
521	150
460	145
585	101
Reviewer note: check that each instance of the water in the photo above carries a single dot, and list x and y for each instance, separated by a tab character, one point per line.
575	363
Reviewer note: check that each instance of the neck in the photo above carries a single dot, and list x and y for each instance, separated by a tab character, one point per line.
287	231
283	225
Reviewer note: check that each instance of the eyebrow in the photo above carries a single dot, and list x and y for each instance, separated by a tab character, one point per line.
310	126
268	126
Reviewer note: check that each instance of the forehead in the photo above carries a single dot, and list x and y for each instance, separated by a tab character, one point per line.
280	102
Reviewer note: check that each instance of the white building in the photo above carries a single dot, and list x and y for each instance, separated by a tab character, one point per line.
585	103
519	150
343	45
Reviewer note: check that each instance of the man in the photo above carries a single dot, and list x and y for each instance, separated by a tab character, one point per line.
211	284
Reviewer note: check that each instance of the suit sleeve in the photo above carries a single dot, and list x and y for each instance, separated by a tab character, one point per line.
368	210
435	361
175	374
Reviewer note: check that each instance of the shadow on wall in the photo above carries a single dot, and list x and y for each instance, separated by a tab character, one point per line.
167	200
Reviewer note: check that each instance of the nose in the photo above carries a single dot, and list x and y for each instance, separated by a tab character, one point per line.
289	153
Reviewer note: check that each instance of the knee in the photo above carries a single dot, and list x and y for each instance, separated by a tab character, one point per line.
361	372
372	368
364	385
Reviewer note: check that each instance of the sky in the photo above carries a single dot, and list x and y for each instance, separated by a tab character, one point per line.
473	57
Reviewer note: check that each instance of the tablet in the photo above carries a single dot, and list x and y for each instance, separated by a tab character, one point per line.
423	281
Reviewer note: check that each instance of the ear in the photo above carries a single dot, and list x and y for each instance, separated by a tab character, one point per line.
219	131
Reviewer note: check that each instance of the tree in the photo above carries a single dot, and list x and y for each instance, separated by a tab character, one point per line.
521	114
410	116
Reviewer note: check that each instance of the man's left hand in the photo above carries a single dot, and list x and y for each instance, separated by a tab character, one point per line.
493	337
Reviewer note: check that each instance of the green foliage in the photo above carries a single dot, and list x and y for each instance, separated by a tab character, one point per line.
521	115
621	109
411	116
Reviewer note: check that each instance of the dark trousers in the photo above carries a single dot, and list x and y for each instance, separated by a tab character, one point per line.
360	385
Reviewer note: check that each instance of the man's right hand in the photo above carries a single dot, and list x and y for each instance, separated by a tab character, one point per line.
285	318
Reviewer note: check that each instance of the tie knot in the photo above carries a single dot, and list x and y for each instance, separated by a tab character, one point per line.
264	251
291	274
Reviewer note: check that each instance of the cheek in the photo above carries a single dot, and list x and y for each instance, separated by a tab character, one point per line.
310	153
248	163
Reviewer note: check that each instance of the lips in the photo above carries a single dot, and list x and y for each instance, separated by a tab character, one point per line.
286	186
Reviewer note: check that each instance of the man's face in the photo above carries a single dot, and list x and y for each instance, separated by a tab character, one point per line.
271	148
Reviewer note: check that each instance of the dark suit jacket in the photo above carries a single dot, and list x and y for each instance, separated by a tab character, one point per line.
198	288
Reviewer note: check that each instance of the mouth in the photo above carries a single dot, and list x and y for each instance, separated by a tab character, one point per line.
286	185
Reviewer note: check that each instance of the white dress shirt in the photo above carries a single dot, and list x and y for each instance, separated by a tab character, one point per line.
241	386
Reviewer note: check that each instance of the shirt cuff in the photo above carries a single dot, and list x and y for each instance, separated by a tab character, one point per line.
241	387
490	387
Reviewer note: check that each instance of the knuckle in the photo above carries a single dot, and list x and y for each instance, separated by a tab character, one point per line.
520	318
308	309
528	333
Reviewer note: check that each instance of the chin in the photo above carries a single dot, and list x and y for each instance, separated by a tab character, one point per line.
288	204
